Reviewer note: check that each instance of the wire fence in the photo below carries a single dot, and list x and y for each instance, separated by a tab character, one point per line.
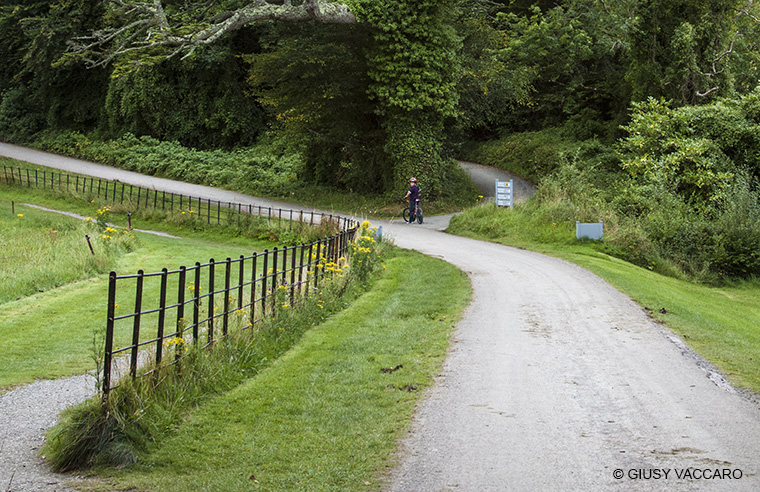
211	211
149	312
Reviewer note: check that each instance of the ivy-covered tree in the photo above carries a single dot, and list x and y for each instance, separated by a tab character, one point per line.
413	69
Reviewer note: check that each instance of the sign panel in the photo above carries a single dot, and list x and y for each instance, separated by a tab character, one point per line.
591	230
504	195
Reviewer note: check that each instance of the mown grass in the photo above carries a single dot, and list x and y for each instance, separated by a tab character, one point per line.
50	334
324	416
720	323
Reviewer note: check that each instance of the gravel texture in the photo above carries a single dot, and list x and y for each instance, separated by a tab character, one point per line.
26	413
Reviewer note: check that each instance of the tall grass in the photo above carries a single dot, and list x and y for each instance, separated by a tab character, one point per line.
40	251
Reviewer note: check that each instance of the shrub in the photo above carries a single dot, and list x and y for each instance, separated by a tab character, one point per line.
735	234
532	155
254	170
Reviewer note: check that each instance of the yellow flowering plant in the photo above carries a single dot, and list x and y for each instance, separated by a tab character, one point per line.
365	252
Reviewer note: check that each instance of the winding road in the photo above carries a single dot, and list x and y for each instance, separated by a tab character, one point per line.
554	381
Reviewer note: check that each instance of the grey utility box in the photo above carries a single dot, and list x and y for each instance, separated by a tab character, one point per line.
593	231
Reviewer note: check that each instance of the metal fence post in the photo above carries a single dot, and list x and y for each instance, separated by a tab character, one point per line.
108	352
274	279
241	276
293	275
161	316
264	275
181	301
253	289
136	325
316	264
225	315
211	302
197	302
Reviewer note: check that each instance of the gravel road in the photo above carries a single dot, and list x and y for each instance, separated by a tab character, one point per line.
555	381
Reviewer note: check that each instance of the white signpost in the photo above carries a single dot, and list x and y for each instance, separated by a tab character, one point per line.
504	195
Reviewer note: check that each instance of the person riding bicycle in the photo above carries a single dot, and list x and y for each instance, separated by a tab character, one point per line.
413	195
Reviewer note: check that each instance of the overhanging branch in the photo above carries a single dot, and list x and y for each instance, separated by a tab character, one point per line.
147	27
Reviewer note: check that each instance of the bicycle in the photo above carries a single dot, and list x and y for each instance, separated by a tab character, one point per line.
410	217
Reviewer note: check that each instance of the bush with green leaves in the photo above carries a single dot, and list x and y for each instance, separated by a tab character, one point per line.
692	183
253	170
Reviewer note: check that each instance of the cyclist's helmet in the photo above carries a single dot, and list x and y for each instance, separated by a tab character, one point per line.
412	180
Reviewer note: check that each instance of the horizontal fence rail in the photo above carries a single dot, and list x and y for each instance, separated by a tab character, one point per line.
150	314
212	211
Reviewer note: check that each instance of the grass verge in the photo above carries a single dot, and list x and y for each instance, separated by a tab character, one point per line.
328	413
50	334
720	323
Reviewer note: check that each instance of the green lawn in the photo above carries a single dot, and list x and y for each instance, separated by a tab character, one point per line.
50	334
324	416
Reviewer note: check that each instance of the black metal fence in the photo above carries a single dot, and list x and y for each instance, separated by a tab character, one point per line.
201	304
146	312
212	211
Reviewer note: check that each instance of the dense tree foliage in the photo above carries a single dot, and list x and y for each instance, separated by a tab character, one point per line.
36	92
202	102
369	92
313	81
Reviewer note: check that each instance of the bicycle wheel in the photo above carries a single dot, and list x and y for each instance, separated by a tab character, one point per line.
419	215
405	215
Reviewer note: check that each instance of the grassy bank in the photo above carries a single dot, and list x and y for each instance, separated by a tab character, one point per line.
327	414
721	323
50	334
